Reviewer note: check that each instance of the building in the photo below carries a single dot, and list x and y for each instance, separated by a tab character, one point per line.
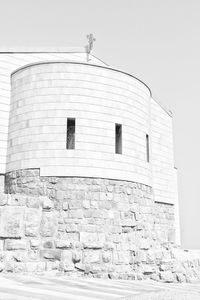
66	121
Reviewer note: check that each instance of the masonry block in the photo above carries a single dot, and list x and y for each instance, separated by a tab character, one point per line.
11	222
32	221
49	224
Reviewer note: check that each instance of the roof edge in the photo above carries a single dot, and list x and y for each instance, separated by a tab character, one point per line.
26	49
80	63
168	111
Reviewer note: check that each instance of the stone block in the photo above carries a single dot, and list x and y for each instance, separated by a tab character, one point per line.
121	257
67	262
63	244
90	257
128	190
65	205
32	221
33	267
144	244
48	245
2	183
100	213
60	195
82	267
126	229
61	227
148	269
131	222
87	228
94	204
103	196
110	188
116	238
47	204
178	268
107	257
3	199
134	208
32	202
66	267
16	244
75	214
106	204
165	267
73	236
49	224
34	244
19	267
75	204
180	277
97	270
88	213
151	256
33	255
109	246
17	200
9	266
52	265
11	222
111	215
76	256
1	247
19	256
92	245
146	210
92	240
51	254
141	256
171	235
132	237
116	229
167	276
1	266
71	228
67	256
86	204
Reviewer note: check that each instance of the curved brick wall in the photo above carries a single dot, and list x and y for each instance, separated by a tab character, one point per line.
16	58
45	95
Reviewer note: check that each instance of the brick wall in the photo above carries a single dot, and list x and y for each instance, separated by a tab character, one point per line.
45	95
16	58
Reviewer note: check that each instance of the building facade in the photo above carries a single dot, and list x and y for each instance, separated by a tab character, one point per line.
66	121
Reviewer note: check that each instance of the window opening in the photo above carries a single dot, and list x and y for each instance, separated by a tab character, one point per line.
70	134
118	138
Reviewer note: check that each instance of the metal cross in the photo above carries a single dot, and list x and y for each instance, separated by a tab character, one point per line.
91	41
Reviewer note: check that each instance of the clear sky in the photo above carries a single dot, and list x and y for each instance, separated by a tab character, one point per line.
155	40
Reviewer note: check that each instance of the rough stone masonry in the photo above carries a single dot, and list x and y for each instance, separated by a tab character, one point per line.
93	227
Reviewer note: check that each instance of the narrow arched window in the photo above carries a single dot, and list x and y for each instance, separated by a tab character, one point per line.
147	148
70	144
118	138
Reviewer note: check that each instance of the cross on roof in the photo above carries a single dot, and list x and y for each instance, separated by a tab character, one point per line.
91	41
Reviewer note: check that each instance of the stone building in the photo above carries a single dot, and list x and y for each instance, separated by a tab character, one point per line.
86	156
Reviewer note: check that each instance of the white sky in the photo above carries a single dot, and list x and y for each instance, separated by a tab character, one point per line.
155	40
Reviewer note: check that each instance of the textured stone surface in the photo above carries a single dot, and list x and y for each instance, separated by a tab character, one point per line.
11	222
32	221
48	224
96	227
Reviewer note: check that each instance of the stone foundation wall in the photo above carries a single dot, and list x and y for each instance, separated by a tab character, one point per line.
2	182
85	226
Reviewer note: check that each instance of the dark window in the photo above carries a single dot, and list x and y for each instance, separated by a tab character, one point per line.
147	147
118	138
70	134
